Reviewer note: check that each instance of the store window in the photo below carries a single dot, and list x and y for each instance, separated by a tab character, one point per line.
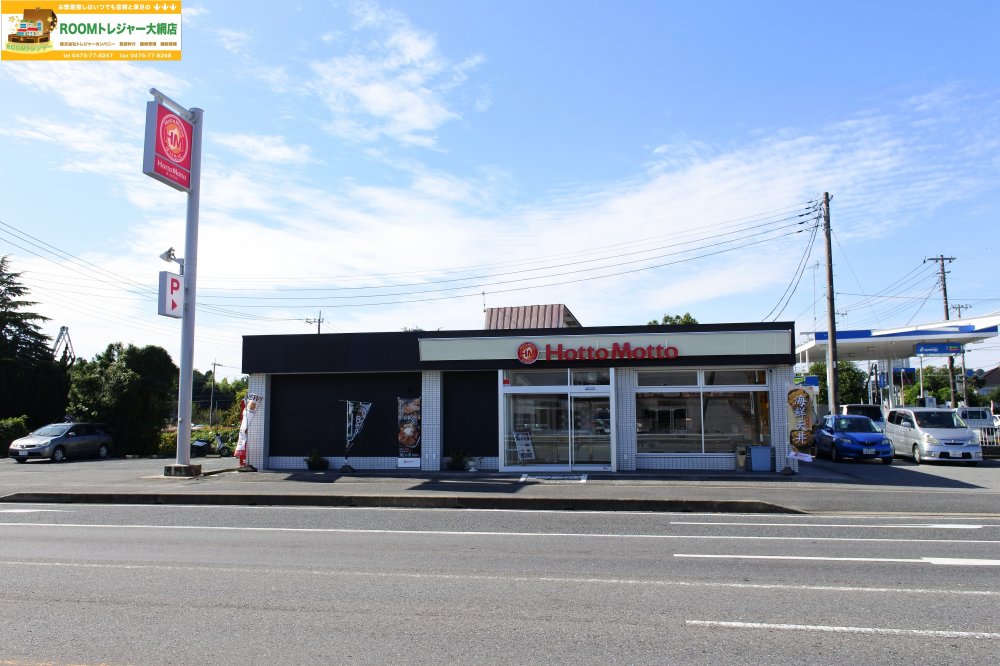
677	413
536	378
669	378
668	422
600	377
734	419
735	378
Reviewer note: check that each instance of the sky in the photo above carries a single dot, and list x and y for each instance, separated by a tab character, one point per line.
389	165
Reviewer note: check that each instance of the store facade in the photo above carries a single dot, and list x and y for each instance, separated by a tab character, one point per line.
608	399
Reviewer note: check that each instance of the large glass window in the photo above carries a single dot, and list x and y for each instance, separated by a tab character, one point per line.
735	377
668	378
668	422
735	419
536	377
537	431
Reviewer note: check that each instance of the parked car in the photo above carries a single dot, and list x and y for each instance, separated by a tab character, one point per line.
58	441
852	436
932	433
874	412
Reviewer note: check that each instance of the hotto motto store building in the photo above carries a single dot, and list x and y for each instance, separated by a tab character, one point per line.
520	400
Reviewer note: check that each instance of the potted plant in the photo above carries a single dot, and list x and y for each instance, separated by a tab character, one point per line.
456	460
472	463
316	462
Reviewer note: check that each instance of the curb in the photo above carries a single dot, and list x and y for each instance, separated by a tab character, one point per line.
411	501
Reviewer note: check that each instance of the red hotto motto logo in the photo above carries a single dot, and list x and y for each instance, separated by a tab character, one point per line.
527	353
174	138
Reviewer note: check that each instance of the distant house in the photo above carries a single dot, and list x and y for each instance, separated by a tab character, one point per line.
991	381
530	316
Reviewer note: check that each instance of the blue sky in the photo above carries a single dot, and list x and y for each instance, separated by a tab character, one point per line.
388	163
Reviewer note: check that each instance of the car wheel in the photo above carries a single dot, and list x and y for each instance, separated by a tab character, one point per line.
103	452
887	460
834	456
224	452
59	455
916	454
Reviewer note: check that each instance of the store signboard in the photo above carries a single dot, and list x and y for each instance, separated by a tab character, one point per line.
168	148
937	349
171	300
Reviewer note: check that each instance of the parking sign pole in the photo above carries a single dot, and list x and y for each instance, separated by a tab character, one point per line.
184	392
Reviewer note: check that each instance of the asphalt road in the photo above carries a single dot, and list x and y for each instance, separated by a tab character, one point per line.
157	585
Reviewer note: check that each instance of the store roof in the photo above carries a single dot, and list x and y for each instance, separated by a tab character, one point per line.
530	316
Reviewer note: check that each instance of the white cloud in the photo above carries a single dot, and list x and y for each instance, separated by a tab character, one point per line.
263	148
233	41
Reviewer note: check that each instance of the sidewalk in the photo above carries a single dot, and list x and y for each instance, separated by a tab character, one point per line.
817	488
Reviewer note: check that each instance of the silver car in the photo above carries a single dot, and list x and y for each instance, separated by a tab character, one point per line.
58	441
928	433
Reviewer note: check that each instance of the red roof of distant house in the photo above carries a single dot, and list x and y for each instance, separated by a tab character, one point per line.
530	316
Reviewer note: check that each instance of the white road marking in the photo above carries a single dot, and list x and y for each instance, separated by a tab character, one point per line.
948	561
271	571
33	511
474	533
878	631
933	526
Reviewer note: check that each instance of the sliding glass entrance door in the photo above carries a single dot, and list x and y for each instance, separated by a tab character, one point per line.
557	431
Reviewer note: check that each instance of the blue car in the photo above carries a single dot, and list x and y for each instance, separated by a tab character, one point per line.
852	436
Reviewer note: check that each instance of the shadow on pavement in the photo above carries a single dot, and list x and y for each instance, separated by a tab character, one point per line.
875	473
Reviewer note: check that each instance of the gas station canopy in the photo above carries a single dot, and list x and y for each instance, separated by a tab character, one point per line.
901	343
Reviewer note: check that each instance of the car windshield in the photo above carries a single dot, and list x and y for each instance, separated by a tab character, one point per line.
939	420
856	425
977	415
54	430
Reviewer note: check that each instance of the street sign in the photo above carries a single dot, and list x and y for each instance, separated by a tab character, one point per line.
171	301
937	349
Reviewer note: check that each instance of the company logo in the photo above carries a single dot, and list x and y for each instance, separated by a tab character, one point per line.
174	139
527	353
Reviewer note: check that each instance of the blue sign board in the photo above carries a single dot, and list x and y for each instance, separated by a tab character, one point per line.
937	349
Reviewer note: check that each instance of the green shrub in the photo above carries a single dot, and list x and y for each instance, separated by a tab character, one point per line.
11	429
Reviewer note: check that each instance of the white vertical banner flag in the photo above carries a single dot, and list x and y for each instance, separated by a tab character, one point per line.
250	405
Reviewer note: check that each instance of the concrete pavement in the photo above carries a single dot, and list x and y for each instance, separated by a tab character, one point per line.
819	487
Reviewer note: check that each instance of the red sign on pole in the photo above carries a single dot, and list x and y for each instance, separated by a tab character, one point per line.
168	148
171	302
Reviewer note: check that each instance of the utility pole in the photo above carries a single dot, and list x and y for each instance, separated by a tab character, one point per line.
831	313
318	321
965	373
944	292
211	399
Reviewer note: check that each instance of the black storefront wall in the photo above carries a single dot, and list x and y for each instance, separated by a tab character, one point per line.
309	412
470	413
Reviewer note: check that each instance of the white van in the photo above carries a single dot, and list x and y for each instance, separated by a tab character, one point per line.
930	433
874	412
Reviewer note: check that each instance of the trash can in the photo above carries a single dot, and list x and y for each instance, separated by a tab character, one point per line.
741	458
760	458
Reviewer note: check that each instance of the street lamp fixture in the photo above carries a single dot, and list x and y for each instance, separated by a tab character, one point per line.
169	256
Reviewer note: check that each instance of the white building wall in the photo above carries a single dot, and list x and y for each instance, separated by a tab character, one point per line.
257	434
625	435
430	421
781	378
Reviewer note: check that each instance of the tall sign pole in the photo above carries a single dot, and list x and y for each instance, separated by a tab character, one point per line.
173	156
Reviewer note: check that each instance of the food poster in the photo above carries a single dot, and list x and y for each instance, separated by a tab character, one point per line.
800	420
409	427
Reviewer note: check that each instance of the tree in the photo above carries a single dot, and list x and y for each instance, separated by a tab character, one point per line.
851	388
936	383
669	320
32	382
131	389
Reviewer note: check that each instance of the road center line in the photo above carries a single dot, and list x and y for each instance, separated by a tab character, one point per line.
878	631
474	533
945	561
935	526
637	582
